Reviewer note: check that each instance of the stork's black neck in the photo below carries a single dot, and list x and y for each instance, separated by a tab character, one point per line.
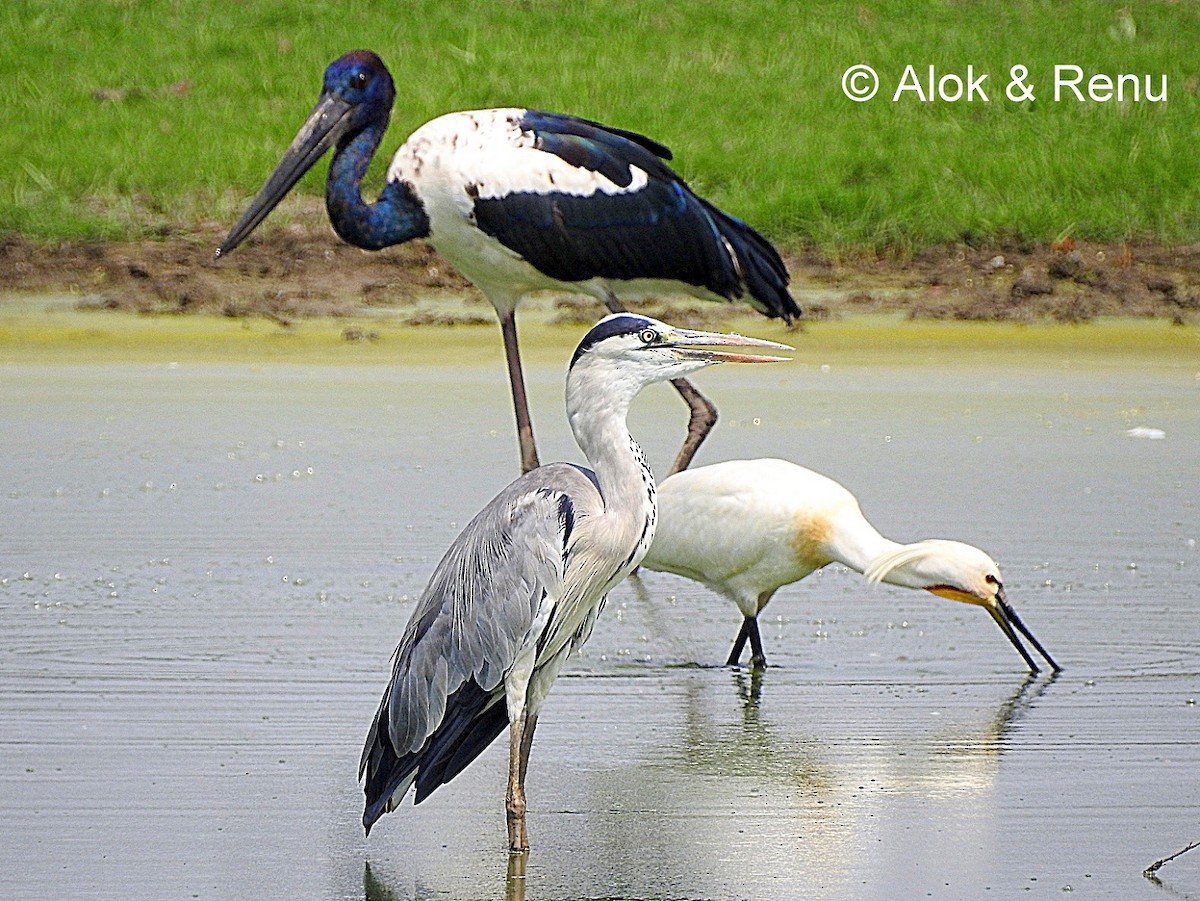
397	216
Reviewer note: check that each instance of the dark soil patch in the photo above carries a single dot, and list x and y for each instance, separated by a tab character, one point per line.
305	271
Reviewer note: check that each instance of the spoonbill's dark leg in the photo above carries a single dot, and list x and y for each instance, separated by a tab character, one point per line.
516	378
735	654
703	413
749	630
758	659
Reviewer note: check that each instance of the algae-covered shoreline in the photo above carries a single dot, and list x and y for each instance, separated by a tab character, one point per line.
51	329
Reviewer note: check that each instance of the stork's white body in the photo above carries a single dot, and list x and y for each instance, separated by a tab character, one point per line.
458	158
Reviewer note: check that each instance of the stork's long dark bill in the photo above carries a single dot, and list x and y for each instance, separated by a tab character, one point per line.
1006	618
327	123
694	345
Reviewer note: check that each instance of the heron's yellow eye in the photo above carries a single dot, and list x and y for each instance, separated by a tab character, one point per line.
648	336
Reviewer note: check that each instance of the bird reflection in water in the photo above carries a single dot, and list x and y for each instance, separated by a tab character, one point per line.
375	888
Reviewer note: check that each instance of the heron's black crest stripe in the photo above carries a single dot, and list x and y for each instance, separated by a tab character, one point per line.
627	324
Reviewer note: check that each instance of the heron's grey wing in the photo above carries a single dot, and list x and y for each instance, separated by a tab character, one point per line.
486	600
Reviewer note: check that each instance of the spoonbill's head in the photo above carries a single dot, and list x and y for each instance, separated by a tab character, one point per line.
958	572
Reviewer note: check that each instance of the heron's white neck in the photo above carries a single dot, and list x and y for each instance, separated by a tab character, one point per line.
598	399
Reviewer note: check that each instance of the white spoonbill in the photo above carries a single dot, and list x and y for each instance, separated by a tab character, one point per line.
746	528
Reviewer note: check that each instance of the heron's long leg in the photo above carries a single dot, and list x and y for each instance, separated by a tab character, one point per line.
527	743
516	378
518	839
703	413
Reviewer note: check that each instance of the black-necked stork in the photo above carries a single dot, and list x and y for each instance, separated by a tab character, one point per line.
522	201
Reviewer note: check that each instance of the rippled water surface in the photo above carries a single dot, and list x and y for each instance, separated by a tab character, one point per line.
204	569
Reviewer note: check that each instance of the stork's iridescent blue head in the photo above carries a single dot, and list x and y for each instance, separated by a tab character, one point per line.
361	82
351	114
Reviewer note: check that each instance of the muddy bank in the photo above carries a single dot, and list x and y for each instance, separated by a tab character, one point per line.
304	271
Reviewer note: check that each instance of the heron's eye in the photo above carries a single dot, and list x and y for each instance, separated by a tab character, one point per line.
360	80
649	336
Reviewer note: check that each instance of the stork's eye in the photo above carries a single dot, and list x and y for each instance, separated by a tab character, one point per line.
360	80
991	580
648	336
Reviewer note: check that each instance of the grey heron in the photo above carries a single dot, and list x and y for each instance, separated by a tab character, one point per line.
746	528
522	585
521	201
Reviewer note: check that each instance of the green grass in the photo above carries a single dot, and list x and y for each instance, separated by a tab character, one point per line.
130	118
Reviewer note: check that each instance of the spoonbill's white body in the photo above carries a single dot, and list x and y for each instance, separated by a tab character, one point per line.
746	528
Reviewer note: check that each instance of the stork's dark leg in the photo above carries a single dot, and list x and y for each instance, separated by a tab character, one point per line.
516	378
518	839
703	418
703	413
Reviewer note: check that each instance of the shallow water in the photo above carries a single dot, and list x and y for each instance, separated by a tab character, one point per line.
204	569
